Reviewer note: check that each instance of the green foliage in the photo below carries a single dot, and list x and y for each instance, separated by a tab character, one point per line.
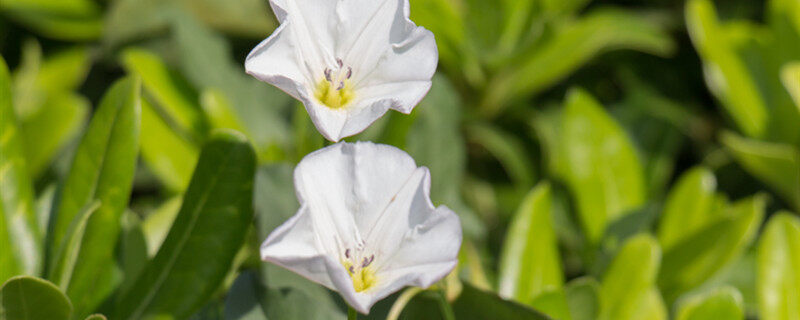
20	246
778	262
607	160
205	236
29	298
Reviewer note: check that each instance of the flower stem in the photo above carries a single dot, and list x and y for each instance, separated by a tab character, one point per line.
401	302
351	313
446	308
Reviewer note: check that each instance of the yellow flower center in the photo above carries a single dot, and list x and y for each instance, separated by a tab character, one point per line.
360	272
335	90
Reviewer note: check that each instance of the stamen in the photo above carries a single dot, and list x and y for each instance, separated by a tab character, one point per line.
328	74
339	62
352	270
341	85
347	253
334	91
349	72
367	261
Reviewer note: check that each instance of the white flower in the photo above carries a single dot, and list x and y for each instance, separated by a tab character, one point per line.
366	226
348	61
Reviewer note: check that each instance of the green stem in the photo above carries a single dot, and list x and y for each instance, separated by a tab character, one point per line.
447	309
351	313
401	302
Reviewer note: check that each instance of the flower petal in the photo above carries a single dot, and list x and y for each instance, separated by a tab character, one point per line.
296	245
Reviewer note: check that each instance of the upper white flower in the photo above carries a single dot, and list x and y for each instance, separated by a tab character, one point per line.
348	61
366	226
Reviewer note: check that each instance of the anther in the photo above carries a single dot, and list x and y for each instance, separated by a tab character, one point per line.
367	261
328	74
349	72
347	253
341	85
351	269
339	62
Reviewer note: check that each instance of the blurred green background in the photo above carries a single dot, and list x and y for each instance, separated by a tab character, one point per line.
610	159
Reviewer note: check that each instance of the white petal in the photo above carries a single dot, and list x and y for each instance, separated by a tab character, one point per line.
329	122
295	245
295	55
428	252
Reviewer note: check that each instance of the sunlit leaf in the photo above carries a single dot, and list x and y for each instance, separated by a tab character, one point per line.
691	205
573	46
20	242
722	303
726	74
776	164
530	262
169	155
599	164
627	283
102	170
790	75
699	255
778	262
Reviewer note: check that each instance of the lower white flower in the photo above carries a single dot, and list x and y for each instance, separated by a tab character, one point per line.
366	226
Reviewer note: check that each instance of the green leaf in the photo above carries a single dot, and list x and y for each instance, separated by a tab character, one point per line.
66	257
530	262
157	224
726	74
248	18
699	255
571	47
629	278
56	123
169	155
552	303
776	164
96	317
778	262
169	93
790	76
583	298
208	231
65	70
20	242
691	205
474	303
721	303
70	20
29	298
599	163
102	170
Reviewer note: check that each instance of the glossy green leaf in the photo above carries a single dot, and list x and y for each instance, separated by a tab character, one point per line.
689	206
599	163
474	303
169	155
20	242
56	123
208	231
102	170
64	70
726	74
698	256
66	257
629	278
29	298
96	317
652	307
132	255
170	95
583	298
778	263
790	76
721	303
776	164
573	46
530	262
242	302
